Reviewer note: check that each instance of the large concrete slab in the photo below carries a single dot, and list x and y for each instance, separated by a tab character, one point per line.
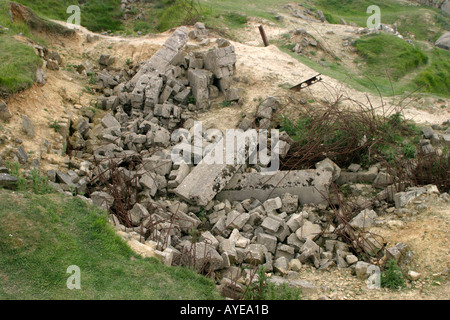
162	58
204	181
210	176
311	186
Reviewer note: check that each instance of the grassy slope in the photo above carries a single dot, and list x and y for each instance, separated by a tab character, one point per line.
387	53
436	78
40	236
96	15
18	61
18	64
410	19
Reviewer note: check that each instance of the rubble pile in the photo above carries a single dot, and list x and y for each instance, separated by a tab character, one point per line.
226	219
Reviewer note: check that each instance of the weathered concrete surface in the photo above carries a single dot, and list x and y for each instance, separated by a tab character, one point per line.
162	58
204	181
358	177
309	185
210	176
444	41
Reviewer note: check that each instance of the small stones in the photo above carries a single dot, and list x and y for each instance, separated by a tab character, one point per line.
413	276
27	126
5	114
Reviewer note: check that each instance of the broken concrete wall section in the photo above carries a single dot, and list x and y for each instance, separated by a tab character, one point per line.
311	186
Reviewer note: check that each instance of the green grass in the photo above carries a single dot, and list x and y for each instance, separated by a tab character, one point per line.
18	65
233	14
96	15
436	78
425	23
170	16
358	80
42	235
386	53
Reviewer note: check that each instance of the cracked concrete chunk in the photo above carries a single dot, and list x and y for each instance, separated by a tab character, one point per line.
311	186
365	219
309	230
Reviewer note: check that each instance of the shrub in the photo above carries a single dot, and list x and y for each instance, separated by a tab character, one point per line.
392	277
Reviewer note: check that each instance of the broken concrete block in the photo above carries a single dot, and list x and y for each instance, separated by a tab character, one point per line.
208	238
309	230
221	61
27	126
21	155
266	108
227	246
295	265
403	198
413	276
365	219
186	222
310	251
201	256
148	182
164	56
329	165
232	94
286	251
271	224
206	180
177	176
267	240
295	221
109	121
199	81
281	265
276	226
255	254
364	270
76	141
236	220
383	179
183	95
7	181
289	203
311	186
272	205
351	259
161	137
102	199
138	214
106	60
358	177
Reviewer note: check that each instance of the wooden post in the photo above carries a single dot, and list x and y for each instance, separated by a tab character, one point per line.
263	36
